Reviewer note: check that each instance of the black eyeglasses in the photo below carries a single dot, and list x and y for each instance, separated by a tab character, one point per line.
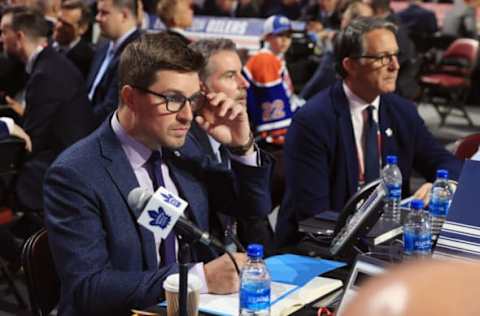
175	102
384	59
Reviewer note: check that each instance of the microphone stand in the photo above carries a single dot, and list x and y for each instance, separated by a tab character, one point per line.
184	258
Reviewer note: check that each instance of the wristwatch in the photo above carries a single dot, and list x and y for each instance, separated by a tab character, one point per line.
242	150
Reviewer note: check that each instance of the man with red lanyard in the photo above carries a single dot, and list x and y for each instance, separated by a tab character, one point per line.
340	139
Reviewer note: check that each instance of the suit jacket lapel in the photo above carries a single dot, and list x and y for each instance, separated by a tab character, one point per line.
123	177
187	187
387	137
341	105
96	63
202	138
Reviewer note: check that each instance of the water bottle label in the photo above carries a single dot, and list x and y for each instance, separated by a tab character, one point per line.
254	298
423	242
439	207
413	242
394	191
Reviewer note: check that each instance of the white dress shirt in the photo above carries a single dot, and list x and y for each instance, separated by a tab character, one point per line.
476	156
357	106
9	122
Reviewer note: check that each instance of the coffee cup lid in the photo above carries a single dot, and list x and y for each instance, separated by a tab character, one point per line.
171	283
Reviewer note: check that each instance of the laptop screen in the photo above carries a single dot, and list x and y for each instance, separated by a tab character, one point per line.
363	269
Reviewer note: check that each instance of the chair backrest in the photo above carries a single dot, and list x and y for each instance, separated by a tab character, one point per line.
42	279
13	150
461	56
467	146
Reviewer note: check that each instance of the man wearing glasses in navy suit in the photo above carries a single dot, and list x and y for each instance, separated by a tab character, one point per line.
108	263
340	139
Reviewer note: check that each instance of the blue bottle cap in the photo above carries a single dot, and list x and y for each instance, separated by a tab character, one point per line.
392	160
255	250
442	174
416	204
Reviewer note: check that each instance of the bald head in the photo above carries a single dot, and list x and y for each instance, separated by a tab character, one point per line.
421	288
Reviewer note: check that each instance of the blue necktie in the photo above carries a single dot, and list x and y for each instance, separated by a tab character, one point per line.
371	155
101	72
167	246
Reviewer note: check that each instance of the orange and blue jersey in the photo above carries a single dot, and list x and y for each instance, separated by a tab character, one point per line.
268	97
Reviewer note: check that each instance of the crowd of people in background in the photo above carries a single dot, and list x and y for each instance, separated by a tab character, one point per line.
64	75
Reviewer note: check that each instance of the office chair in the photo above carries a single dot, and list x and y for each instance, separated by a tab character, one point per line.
42	279
13	150
466	147
446	84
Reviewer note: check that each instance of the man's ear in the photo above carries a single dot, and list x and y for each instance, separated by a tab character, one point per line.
128	96
349	65
20	35
82	29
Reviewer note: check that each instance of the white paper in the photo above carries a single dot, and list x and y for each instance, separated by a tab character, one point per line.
285	298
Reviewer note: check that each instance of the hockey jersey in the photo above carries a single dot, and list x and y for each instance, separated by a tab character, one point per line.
268	97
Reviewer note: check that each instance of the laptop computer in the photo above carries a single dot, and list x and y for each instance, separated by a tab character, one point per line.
363	268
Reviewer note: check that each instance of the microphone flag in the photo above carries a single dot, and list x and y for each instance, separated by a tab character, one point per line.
162	212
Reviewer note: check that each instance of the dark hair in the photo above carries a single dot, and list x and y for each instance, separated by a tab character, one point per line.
350	41
209	47
132	5
152	52
29	21
86	13
382	5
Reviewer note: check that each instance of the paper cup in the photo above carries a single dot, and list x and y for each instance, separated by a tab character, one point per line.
171	286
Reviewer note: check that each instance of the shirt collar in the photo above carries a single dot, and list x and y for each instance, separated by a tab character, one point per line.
68	47
114	45
33	58
356	103
137	153
179	31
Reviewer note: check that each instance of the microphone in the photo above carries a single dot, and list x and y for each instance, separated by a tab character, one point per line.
138	199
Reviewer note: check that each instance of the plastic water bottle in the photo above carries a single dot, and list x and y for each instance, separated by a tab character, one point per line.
417	231
441	197
392	178
255	284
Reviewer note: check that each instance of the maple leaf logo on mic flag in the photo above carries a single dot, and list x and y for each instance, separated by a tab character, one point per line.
159	218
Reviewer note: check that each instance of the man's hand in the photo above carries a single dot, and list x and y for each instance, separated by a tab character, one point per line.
221	276
225	120
423	193
15	105
20	133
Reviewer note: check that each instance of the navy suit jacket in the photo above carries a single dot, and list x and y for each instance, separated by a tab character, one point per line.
81	55
106	261
57	114
3	130
321	163
248	230
105	98
418	19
